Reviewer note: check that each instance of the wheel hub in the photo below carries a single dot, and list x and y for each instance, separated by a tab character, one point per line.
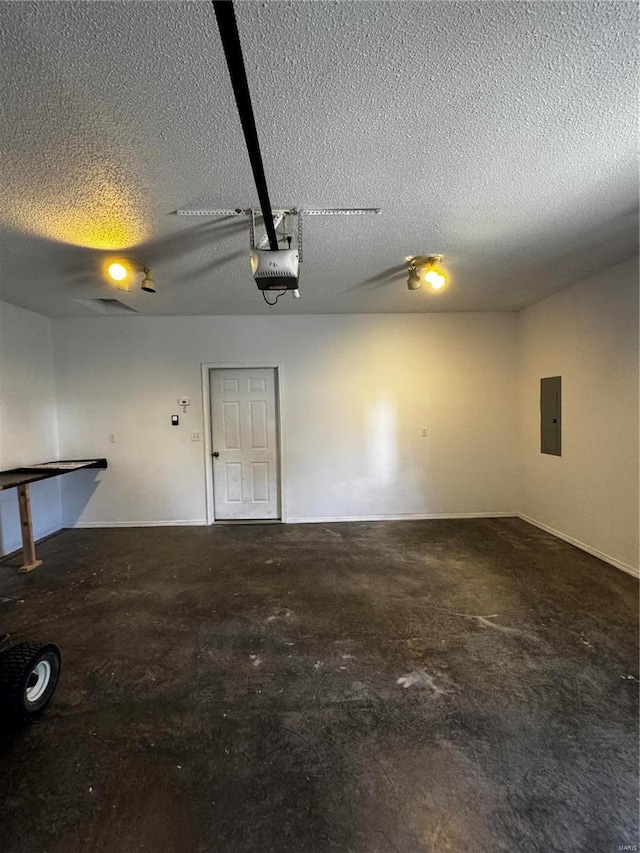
38	681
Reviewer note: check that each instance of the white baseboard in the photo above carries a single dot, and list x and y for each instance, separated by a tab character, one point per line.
200	522
607	558
329	519
197	522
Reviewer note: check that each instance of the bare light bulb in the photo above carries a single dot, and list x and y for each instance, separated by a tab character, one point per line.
117	271
435	279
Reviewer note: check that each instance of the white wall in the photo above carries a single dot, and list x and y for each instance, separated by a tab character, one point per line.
28	430
588	334
356	392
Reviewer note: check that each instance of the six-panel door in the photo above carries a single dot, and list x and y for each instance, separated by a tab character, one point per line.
244	435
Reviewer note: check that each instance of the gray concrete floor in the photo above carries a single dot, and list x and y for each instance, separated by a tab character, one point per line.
397	687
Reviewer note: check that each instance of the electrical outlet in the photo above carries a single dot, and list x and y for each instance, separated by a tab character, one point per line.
195	436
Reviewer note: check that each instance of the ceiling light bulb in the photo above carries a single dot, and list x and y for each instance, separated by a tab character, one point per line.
435	279
117	271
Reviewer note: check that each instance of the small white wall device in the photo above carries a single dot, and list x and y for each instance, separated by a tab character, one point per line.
275	270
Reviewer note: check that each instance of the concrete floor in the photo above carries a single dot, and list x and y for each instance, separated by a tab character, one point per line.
397	687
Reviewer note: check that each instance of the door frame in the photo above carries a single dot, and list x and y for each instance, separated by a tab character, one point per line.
206	367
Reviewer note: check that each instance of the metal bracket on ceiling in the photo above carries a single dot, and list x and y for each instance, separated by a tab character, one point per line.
218	212
299	238
341	211
327	211
278	216
263	242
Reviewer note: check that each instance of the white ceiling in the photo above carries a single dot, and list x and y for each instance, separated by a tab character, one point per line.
501	135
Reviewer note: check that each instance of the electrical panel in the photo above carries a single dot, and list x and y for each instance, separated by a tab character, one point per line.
551	415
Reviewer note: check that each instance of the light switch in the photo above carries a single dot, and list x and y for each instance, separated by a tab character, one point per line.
112	437
424	432
195	436
175	420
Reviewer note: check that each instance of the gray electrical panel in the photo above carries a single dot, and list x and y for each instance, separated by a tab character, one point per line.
551	415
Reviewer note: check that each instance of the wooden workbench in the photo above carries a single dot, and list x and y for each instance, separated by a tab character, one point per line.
21	478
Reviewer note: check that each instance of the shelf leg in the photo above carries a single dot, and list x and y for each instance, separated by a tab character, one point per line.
30	561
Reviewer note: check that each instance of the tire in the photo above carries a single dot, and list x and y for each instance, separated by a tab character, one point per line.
29	674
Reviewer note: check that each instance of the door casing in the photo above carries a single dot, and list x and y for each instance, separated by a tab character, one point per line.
206	414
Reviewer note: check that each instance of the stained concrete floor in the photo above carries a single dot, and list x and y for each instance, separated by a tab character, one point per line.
396	687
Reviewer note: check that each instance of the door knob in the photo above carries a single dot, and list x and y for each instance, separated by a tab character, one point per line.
216	454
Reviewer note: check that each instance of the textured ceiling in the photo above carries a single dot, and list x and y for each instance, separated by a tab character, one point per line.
502	135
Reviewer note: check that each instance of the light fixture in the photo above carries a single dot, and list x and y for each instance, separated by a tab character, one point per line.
436	280
426	270
121	272
148	282
118	271
414	282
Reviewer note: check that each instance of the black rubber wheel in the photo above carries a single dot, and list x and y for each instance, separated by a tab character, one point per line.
29	674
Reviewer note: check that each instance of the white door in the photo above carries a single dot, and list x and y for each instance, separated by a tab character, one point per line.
244	442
